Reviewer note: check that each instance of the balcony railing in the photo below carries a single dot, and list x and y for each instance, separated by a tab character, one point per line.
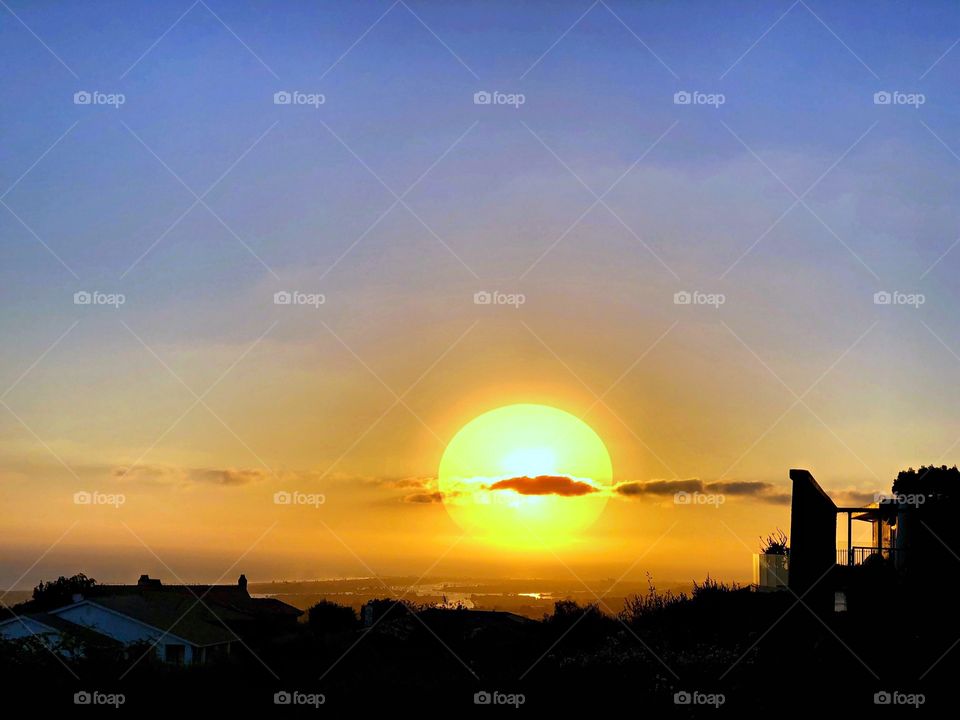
857	554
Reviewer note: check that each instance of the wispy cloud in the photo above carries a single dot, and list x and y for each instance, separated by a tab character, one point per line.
407	483
853	497
657	487
169	474
763	491
424	498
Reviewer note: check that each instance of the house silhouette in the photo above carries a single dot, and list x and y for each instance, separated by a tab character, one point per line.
185	624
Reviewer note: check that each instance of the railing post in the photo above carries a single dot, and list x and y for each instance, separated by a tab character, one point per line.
850	537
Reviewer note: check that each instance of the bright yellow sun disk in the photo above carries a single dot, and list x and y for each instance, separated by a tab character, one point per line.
530	461
524	441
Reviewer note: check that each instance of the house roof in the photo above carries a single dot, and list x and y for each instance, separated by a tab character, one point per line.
59	625
273	606
177	614
86	634
197	614
230	602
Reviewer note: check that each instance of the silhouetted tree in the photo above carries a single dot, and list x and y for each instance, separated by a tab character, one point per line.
380	610
932	480
329	617
60	592
928	533
579	624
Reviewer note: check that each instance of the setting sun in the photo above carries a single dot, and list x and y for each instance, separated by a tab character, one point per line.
525	476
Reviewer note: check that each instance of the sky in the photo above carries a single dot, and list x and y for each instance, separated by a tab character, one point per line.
182	197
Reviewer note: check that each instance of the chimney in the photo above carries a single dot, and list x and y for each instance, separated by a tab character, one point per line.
242	583
146	582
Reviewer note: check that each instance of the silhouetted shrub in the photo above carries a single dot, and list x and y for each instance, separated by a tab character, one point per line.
928	480
638	607
329	617
774	544
60	592
578	624
711	587
380	610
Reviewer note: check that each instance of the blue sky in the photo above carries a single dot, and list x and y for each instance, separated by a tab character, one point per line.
500	204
